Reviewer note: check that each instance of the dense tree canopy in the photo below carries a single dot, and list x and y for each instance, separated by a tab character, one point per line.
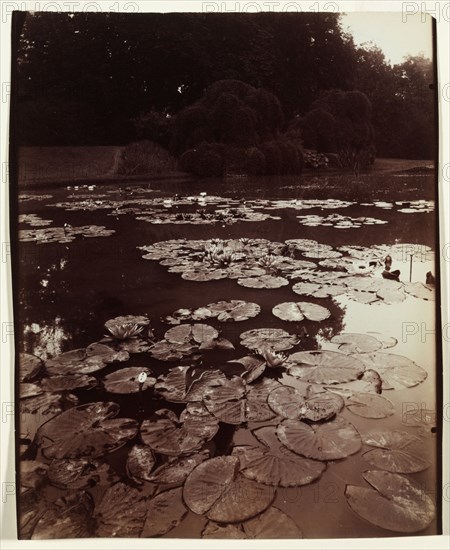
113	78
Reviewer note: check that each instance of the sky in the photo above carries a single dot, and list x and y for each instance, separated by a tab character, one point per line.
396	38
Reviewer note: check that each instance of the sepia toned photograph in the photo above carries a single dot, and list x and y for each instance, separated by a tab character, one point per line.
225	272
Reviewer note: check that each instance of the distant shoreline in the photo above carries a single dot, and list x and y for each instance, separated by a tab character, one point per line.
95	165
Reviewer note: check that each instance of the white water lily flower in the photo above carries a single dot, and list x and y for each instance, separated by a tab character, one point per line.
273	358
126	330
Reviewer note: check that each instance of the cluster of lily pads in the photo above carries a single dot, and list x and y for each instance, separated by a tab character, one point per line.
34	220
338	221
354	271
301	421
64	234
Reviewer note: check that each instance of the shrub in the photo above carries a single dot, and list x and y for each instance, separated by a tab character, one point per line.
205	160
145	157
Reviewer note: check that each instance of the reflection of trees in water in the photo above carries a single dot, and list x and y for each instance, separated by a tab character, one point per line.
46	340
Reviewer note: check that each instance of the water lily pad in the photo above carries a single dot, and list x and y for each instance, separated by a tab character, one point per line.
263	281
363	297
68	517
166	434
32	473
126	381
370	405
290	402
176	469
29	367
164	512
140	463
274	464
215	489
234	310
196	334
298	311
47	403
77	473
214	530
318	290
232	402
324	367
331	440
273	338
396	371
397	452
121	512
420	290
395	503
391	295
84	361
186	384
167	351
356	343
89	430
386	341
69	382
272	524
203	273
254	367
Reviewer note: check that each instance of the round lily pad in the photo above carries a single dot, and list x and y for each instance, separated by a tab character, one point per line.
67	383
167	351
234	310
187	384
89	430
274	464
273	338
324	367
140	463
84	361
331	440
395	502
356	343
370	405
397	452
164	433
164	512
298	311
216	489
77	473
396	371
176	469
263	281
126	381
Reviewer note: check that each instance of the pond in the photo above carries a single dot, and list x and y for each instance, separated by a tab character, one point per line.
303	427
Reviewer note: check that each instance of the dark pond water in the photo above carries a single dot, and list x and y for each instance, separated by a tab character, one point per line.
67	291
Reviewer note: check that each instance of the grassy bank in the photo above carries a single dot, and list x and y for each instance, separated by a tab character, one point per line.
40	165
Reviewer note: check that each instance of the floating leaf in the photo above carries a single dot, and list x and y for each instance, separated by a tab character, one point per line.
84	361
386	341
396	371
121	512
29	367
166	351
318	290
391	296
165	434
183	384
370	405
395	503
332	440
273	338
263	281
66	383
176	470
324	367
298	311
77	473
197	334
274	464
356	343
233	403
125	381
272	524
164	512
47	403
234	310
214	530
254	366
394	452
134	345
140	463
68	517
419	290
289	402
215	489
87	430
30	390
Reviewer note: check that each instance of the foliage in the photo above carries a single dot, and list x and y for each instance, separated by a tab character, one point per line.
145	157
